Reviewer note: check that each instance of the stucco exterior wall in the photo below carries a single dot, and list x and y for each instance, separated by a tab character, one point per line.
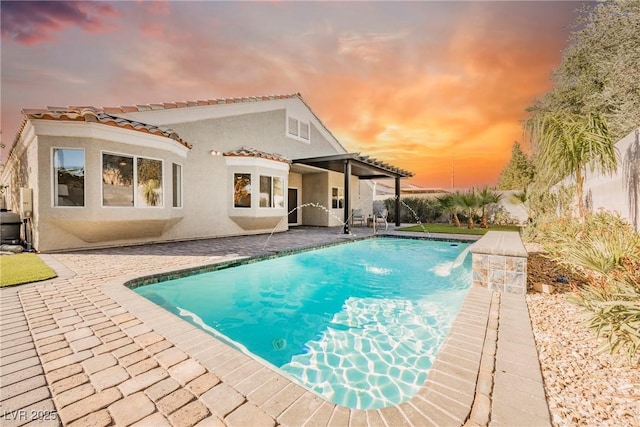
65	227
316	190
619	192
207	176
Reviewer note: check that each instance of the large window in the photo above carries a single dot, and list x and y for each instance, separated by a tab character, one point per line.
68	177
271	192
177	185
119	179
337	198
242	190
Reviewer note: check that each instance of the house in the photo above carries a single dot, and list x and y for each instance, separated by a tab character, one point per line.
86	177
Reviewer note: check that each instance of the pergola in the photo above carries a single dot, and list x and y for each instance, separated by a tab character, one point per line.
364	167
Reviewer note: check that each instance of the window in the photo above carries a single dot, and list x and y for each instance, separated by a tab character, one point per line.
337	198
177	186
304	130
271	192
119	179
68	177
242	190
298	129
266	193
293	126
278	192
149	179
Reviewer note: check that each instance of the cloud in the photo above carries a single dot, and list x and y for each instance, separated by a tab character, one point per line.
33	22
367	47
403	82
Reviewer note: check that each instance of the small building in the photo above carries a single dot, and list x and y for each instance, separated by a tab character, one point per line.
87	177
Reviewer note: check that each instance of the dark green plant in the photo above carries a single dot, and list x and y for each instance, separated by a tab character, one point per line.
449	206
468	202
486	197
414	209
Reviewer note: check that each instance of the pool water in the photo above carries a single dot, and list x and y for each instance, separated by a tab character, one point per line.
359	323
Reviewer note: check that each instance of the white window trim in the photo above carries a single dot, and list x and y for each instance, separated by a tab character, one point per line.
233	202
340	190
135	181
54	177
181	186
273	200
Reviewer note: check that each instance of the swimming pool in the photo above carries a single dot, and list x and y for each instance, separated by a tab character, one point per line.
358	323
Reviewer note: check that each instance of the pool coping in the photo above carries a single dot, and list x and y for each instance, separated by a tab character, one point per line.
446	397
507	389
459	381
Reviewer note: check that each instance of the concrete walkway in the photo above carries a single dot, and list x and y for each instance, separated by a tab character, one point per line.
82	349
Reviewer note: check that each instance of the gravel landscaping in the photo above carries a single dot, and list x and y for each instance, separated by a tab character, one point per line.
583	387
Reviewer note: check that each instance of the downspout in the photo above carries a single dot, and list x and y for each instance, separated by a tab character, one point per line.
347	198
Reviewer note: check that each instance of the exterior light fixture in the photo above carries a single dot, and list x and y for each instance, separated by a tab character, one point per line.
215	153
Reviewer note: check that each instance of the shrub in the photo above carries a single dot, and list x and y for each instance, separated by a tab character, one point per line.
607	250
414	209
613	302
599	244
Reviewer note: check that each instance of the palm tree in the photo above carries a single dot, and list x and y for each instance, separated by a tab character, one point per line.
566	143
450	207
485	197
468	202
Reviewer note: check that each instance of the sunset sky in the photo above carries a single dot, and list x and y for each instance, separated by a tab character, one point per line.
421	85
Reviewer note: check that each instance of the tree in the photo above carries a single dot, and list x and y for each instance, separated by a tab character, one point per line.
599	70
518	173
468	202
566	143
449	206
484	198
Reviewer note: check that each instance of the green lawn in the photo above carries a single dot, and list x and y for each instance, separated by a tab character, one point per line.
452	229
23	268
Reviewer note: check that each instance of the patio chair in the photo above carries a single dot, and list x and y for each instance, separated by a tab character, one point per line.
357	216
381	217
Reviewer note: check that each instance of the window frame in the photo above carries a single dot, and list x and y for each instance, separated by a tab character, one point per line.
339	197
135	158
233	193
54	178
272	191
298	127
180	189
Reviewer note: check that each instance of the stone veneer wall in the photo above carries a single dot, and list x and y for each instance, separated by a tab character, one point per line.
500	262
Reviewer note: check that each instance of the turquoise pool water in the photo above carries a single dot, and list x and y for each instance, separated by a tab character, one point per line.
359	323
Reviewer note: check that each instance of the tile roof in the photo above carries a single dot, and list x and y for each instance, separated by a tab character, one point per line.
107	115
92	114
252	152
183	104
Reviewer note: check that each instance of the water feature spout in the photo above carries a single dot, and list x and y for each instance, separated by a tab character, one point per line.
313	205
415	216
461	257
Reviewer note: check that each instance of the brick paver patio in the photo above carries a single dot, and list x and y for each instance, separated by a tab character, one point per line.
83	350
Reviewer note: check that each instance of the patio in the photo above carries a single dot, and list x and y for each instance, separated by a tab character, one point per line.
81	349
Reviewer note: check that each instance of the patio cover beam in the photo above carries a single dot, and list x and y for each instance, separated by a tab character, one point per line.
363	167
